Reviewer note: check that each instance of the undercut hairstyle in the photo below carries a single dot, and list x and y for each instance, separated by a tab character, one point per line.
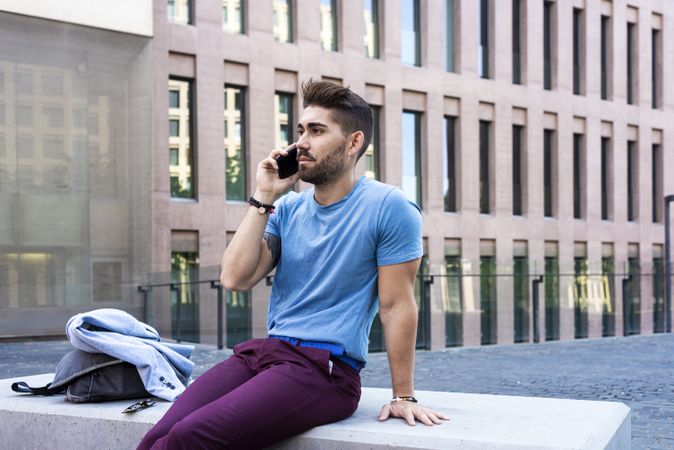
349	110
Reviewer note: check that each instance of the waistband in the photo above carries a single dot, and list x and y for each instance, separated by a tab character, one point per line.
336	350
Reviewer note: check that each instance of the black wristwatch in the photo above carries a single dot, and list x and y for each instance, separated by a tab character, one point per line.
262	208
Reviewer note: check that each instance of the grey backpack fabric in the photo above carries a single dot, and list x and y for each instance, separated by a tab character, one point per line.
91	377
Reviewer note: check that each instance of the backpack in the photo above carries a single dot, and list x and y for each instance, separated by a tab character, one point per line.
91	377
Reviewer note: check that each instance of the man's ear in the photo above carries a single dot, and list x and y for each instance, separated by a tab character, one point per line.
355	142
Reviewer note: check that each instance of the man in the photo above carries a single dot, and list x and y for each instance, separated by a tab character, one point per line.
338	249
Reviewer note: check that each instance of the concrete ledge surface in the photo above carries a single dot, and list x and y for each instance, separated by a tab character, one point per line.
477	422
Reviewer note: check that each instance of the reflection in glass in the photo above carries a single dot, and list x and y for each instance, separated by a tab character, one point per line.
632	314
185	270
232	16
235	144
659	309
239	315
283	25
329	25
551	282
450	164
450	36
372	153
422	295
581	300
548	176
411	149
485	167
488	323
180	137
483	36
521	297
283	120
179	11
453	301
411	33
371	37
578	170
608	296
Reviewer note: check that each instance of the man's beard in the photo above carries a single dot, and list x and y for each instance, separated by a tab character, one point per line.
327	169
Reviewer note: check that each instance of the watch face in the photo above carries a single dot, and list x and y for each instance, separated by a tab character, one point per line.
262	210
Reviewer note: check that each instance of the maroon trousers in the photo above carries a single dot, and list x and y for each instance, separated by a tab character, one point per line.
267	391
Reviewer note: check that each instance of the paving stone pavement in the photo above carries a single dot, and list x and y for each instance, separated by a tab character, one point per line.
637	370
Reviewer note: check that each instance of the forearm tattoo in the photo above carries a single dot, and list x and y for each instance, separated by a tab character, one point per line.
274	246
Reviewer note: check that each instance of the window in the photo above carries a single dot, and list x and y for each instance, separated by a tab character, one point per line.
485	168
606	191
329	25
488	302
581	298
233	16
656	179
372	154
238	313
518	38
548	175
656	68
631	59
608	291
659	307
422	296
174	98
179	11
606	69
283	120
451	32
283	23
521	291
180	138
551	285
548	53
412	156
578	52
235	143
411	32
578	176
450	165
371	18
184	306
484	37
632	313
632	181
518	170
452	294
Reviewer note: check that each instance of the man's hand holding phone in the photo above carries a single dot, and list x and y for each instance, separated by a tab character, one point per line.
276	174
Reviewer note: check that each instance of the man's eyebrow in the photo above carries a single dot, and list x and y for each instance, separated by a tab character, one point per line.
313	124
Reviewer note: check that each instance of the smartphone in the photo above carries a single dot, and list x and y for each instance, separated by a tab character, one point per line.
288	165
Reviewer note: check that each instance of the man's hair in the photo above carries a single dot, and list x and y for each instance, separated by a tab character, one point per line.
349	110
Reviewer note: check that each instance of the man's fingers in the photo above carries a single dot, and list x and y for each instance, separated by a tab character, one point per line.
409	417
441	416
432	415
385	412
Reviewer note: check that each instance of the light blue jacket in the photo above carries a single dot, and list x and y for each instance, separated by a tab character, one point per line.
164	368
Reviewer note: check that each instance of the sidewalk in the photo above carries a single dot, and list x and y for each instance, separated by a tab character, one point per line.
638	371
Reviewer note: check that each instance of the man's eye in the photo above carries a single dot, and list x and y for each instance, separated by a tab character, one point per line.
317	131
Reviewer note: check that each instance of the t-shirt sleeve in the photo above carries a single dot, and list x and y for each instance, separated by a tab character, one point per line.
399	230
273	224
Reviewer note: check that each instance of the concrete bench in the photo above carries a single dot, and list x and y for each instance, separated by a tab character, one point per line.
477	422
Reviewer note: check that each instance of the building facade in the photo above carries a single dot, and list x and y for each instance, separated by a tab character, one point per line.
533	134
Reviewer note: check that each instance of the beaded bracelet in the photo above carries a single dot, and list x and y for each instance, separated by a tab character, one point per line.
404	399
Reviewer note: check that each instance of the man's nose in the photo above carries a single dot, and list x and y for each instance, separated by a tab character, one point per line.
302	142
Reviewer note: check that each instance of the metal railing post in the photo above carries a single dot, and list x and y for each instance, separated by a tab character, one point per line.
177	289
536	308
216	285
668	264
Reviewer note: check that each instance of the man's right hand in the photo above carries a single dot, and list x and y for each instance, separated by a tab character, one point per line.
269	185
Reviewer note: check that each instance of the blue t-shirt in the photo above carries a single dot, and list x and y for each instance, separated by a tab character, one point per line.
325	287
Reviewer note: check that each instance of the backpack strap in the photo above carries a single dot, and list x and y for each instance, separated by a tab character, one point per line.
22	387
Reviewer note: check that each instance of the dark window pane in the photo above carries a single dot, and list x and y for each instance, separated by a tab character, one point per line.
577	42
185	300
547	45
453	302
450	36
517	42
659	307
521	298
631	181
485	167
632	313
547	172
605	177
450	165
608	297
180	137
630	62
581	298
235	145
577	176
484	57
605	40
551	281
517	170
